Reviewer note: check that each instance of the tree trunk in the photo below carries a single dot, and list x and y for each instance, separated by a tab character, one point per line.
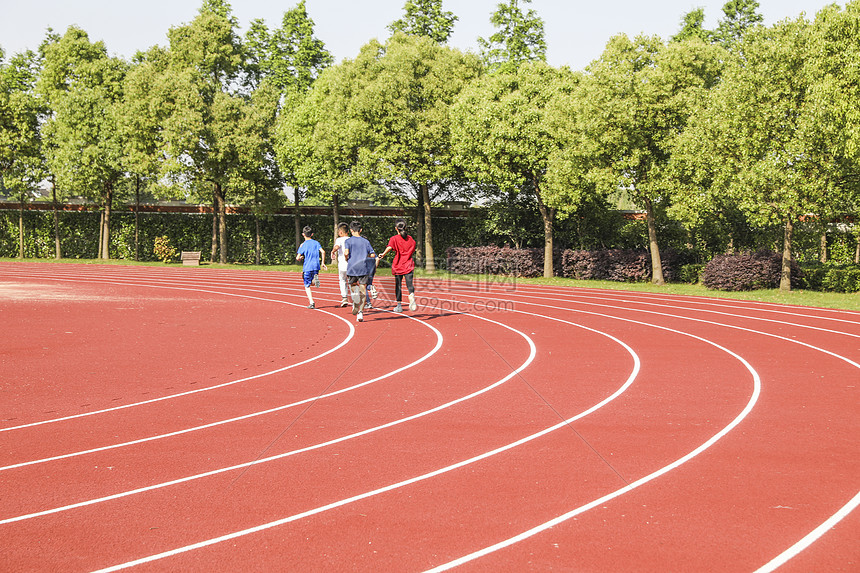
257	240
106	231
335	211
823	245
429	260
137	217
214	252
656	262
857	252
222	223
419	243
58	251
21	229
547	215
297	217
101	232
785	275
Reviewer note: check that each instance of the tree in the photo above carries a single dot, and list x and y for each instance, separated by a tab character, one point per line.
140	123
637	98
83	87
291	59
833	66
755	141
204	106
322	145
425	18
739	16
503	135
405	105
21	161
693	26
520	37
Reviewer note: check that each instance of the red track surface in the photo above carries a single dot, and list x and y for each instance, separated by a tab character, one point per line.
198	420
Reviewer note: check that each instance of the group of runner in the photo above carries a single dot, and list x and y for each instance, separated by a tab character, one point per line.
357	263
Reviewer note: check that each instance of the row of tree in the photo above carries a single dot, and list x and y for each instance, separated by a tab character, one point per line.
742	123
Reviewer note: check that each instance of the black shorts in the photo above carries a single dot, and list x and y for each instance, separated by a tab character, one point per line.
359	280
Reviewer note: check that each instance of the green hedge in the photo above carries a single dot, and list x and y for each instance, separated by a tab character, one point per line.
193	232
833	278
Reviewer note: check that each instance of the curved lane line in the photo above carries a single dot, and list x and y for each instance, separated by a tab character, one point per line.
673	306
433	351
811	537
198	390
532	354
416	479
628	488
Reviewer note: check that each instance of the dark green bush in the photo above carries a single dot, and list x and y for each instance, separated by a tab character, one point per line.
691	273
831	277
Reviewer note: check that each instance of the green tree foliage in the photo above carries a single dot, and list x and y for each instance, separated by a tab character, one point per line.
833	64
637	98
520	37
693	26
382	117
322	146
504	135
425	18
289	57
407	103
739	16
21	161
755	140
214	134
84	88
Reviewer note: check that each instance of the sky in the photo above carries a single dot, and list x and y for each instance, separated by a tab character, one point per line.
576	30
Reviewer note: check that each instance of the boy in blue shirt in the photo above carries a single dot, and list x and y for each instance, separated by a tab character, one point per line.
314	257
359	258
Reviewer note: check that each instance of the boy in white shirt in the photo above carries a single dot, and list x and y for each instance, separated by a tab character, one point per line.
337	251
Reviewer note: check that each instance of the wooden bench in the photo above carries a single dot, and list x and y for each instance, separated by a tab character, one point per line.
190	258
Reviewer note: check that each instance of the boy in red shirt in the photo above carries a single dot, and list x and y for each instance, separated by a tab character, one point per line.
403	265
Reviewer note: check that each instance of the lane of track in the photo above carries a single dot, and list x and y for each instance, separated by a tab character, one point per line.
845	425
751	344
358	499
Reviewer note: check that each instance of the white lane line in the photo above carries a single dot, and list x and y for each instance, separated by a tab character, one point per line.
433	351
628	488
810	346
198	390
672	306
646	479
811	537
679	316
532	353
416	479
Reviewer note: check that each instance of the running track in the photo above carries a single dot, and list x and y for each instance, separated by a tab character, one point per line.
188	419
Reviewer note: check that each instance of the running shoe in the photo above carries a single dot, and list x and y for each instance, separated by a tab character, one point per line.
360	317
398	308
344	302
311	306
373	292
412	306
368	304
